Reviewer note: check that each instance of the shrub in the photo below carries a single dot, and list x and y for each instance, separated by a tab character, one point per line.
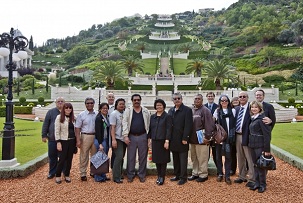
41	100
23	110
291	100
22	100
31	104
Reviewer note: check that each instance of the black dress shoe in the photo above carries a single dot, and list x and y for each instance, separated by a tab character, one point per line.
182	182
200	180
219	178
239	180
254	187
250	184
175	178
228	181
130	180
118	181
192	178
142	180
261	189
83	178
161	181
50	176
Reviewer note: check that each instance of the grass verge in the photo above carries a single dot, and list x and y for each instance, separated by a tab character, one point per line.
289	136
28	144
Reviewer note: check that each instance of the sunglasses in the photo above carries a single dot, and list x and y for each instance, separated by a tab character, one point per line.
136	100
242	96
224	100
89	103
60	101
177	98
68	107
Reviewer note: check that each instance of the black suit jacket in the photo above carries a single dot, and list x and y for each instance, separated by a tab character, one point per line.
245	125
182	122
213	108
269	112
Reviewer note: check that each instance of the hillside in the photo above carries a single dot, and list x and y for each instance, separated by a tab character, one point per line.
252	35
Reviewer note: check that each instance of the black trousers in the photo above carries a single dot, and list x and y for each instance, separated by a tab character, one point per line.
66	157
233	158
161	169
180	160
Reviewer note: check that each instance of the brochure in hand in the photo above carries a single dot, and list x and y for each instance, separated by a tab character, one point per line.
98	159
200	136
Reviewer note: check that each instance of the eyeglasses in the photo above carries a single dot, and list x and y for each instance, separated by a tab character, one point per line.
60	101
224	100
177	98
198	98
136	100
89	103
242	97
68	107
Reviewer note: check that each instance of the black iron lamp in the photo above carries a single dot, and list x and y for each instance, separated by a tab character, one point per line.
13	47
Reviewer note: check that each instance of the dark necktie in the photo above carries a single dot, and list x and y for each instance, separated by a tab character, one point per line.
239	120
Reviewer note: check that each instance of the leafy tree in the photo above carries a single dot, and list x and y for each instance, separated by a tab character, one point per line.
286	36
269	53
195	66
77	54
218	70
108	33
132	63
109	73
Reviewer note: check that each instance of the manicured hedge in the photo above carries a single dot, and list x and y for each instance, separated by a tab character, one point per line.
17	110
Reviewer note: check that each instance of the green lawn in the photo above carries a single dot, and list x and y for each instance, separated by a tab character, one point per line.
28	144
180	65
149	66
289	136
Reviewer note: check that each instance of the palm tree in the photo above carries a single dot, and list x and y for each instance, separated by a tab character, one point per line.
110	72
132	63
218	70
195	66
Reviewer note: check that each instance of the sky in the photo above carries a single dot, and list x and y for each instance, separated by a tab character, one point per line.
46	19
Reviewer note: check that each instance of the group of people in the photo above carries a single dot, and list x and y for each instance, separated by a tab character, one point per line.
248	127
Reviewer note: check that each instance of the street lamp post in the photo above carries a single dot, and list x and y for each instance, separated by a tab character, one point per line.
17	45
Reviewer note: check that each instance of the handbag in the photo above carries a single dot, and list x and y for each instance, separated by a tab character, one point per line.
219	134
266	163
99	163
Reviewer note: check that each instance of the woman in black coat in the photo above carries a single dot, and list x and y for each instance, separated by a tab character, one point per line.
259	142
160	133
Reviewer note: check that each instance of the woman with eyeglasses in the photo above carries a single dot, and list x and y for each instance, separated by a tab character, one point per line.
102	135
225	116
66	141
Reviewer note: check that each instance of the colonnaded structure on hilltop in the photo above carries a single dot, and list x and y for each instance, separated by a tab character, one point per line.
164	29
25	62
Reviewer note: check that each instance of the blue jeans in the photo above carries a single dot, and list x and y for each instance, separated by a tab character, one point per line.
99	178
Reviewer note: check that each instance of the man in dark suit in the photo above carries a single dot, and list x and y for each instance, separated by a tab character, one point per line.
242	133
212	106
181	130
269	111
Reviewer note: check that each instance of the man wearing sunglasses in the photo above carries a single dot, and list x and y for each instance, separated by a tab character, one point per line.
48	134
181	131
242	135
135	126
85	134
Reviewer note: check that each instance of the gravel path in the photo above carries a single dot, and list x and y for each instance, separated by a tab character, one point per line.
284	185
